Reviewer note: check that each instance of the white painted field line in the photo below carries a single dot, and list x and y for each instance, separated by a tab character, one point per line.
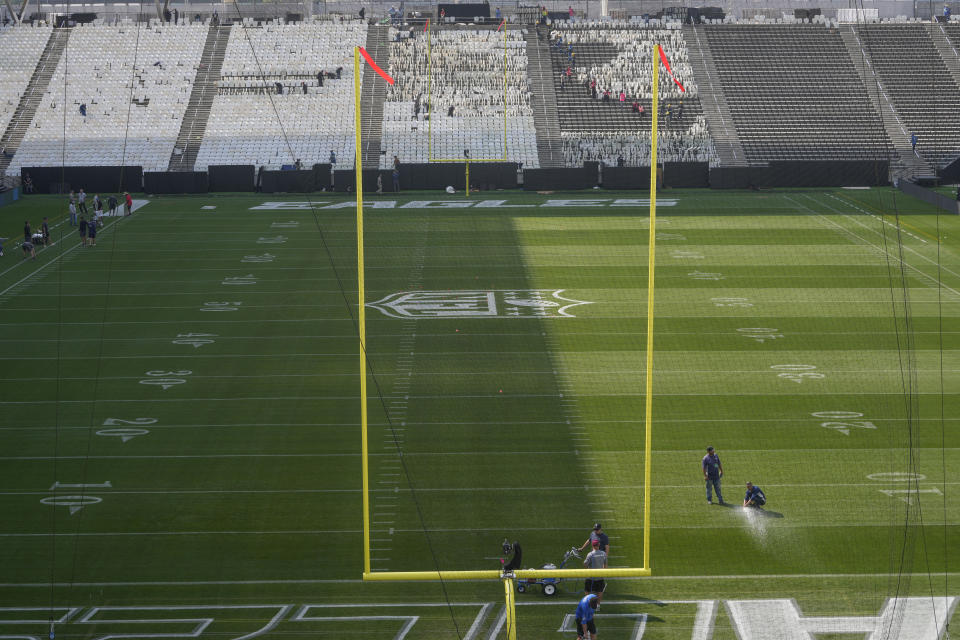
402	402
512	396
62	237
884	251
701	578
446	334
488	423
495	489
50	262
315	319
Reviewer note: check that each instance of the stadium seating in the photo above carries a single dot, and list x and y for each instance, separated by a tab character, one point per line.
97	69
20	48
795	94
791	87
467	75
251	123
617	56
687	145
919	84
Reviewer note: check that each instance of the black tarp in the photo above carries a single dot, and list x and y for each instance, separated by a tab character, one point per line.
231	177
92	179
175	182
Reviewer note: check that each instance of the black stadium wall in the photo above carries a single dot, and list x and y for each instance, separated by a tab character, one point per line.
813	173
90	179
436	176
303	181
171	182
672	174
232	177
487	176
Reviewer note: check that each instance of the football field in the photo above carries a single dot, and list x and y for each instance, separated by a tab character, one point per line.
179	416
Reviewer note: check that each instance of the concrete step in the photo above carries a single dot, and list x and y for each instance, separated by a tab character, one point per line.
33	94
911	166
713	101
195	118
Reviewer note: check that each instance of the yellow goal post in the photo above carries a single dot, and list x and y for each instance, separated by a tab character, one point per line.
495	574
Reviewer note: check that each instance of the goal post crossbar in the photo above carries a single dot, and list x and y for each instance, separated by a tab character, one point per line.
496	574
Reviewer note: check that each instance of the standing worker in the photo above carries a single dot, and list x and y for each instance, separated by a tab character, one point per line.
712	472
598	534
596	559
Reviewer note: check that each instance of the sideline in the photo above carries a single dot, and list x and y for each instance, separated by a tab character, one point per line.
137	204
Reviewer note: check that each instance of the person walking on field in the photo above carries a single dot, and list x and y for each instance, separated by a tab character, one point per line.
83	232
127	204
112	204
712	472
82	201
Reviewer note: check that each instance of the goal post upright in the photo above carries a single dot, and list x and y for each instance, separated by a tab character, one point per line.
361	313
651	254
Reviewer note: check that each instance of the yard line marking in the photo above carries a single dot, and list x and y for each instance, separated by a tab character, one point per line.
512	396
567	397
884	251
474	629
710	578
47	264
427	454
498	625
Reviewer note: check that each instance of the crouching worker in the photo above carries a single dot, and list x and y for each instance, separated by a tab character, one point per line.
754	496
585	623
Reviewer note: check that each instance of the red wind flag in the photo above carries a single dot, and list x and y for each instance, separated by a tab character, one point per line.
663	59
383	74
426	25
502	22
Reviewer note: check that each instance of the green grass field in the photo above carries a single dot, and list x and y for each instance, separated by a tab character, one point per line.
180	413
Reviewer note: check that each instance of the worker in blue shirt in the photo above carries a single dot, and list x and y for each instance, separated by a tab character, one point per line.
712	472
588	604
754	496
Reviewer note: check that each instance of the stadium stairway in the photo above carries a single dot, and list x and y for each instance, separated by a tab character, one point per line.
204	90
544	100
907	165
372	96
714	102
32	95
948	52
